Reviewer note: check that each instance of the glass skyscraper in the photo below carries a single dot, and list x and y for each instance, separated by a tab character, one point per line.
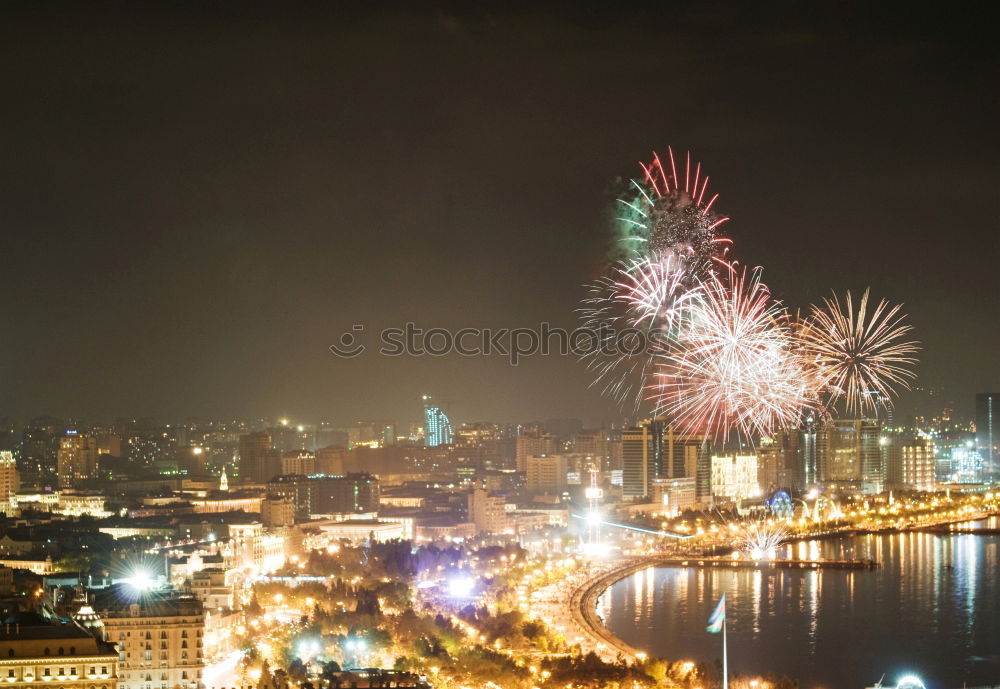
988	427
437	427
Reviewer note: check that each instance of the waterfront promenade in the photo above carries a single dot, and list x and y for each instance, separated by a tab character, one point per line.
570	605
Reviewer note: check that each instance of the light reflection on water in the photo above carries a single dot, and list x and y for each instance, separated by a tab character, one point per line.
933	608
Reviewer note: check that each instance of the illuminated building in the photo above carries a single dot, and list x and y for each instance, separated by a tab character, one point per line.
78	504
488	512
298	462
39	452
158	634
388	434
356	492
32	564
360	530
330	460
532	443
988	427
437	427
546	474
918	464
734	477
594	443
770	463
870	454
788	459
230	502
892	458
807	445
138	531
109	444
278	511
39	652
482	446
966	464
909	462
209	585
374	679
43	502
152	446
259	461
850	451
674	495
636	470
656	450
9	483
77	459
191	460
317	496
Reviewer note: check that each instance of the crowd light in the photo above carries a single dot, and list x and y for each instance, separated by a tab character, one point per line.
308	647
358	645
460	587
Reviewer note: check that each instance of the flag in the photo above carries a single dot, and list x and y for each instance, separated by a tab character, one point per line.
718	617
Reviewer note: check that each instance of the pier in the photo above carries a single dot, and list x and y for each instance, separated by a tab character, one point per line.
759	564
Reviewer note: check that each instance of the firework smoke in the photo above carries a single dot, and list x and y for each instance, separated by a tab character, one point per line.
671	213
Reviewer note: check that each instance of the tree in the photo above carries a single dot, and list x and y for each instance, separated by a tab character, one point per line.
297	670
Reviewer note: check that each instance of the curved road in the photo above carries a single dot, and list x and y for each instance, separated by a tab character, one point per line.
583	607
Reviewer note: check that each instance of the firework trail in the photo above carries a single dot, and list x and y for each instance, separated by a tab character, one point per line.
735	364
671	212
859	355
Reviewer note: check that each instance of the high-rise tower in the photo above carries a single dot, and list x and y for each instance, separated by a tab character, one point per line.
437	426
988	427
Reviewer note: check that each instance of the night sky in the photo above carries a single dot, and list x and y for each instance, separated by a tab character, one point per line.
196	203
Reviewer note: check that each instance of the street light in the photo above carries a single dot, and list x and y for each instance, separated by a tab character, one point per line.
140	580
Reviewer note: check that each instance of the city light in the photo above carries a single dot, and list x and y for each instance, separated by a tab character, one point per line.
308	648
140	580
460	587
333	213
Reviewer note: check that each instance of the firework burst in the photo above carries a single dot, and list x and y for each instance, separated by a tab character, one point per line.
671	212
760	540
859	354
735	364
642	301
677	325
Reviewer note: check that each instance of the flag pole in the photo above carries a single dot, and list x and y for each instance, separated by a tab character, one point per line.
725	659
716	624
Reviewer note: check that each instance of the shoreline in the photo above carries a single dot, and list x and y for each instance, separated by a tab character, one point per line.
583	607
583	599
